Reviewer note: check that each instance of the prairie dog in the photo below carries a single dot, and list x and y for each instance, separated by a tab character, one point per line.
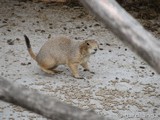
63	51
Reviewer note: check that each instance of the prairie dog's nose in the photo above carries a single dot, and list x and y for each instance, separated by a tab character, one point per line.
95	50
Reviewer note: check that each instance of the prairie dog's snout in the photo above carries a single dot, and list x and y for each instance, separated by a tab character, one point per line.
63	51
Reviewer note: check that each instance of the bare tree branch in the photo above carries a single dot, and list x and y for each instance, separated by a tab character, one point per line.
127	29
43	104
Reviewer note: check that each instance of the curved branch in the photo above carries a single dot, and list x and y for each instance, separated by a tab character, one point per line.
42	104
127	29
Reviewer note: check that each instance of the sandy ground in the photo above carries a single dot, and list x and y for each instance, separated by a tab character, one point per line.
123	87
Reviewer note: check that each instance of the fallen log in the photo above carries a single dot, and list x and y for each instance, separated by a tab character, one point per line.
127	29
44	105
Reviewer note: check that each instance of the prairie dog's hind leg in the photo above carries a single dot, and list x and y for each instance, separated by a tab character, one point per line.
47	65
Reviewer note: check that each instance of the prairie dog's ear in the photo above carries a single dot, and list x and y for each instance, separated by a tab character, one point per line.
87	42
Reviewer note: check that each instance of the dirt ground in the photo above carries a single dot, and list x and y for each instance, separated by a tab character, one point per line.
123	87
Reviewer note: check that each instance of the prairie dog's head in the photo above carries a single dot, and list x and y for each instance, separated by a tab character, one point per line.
91	46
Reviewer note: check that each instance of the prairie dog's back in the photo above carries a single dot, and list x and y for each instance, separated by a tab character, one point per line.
59	48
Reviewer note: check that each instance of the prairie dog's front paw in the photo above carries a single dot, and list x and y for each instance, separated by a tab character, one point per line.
89	71
86	70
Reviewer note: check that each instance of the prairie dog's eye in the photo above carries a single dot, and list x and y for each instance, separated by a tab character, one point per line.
87	43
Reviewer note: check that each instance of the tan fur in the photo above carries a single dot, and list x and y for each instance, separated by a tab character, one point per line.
63	51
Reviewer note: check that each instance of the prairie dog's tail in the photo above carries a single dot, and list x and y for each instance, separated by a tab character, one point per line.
29	47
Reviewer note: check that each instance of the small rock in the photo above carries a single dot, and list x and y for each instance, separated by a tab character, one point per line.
78	27
4	22
26	63
23	64
142	67
85	27
23	21
117	78
97	25
108	44
49	36
10	42
76	38
64	28
42	8
42	31
9	30
17	39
